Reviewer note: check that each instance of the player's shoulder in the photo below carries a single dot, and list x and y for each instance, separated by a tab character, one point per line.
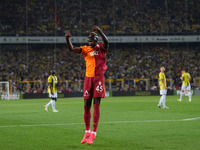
188	74
84	47
100	46
50	78
184	74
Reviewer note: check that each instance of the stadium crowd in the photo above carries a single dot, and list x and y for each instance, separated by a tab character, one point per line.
130	62
116	17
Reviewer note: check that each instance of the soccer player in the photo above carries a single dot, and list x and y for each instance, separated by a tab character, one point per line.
186	78
163	88
52	89
94	88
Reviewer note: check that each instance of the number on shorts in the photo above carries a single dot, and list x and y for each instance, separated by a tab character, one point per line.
99	88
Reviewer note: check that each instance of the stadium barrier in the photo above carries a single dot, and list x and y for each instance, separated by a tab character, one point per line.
73	94
35	95
140	93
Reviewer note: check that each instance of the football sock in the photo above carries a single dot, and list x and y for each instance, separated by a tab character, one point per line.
181	95
87	131
190	95
161	99
95	133
164	100
53	104
47	105
87	116
96	116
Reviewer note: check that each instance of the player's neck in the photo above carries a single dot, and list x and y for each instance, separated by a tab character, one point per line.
93	45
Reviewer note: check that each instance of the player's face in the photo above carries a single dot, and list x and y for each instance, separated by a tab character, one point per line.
162	69
182	72
91	41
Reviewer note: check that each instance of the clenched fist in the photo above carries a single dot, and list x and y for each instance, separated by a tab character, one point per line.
68	35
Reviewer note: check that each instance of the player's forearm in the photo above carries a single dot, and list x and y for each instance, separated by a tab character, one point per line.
104	38
71	47
69	44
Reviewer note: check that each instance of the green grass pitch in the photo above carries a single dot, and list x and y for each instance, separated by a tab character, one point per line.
125	123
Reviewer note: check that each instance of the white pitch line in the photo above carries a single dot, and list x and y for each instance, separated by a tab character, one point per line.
189	119
113	122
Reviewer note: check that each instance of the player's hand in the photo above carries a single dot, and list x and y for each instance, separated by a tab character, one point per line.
68	35
166	88
181	78
95	28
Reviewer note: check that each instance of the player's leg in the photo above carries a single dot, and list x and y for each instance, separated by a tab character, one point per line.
87	113
96	116
98	93
54	102
54	105
189	93
87	117
182	92
48	104
161	99
164	100
87	107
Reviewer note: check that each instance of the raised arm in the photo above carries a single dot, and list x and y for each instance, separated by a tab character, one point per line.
70	45
103	36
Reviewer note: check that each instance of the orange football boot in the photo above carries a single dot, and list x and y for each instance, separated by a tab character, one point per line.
91	139
85	138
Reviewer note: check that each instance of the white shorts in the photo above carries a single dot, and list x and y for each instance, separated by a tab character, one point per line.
54	95
163	92
185	87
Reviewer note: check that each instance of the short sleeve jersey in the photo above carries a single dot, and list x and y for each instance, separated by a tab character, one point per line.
53	80
162	76
95	59
186	78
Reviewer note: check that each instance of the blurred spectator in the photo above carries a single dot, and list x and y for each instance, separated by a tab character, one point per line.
127	62
116	17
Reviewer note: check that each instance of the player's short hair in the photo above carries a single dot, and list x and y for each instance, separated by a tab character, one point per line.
162	67
94	36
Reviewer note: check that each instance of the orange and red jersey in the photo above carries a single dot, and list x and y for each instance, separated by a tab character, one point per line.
95	58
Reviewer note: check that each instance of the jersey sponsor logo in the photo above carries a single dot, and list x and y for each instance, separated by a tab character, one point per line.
94	53
86	93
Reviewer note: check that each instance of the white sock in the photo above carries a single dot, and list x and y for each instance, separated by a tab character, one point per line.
95	133
164	100
161	99
181	95
87	131
190	95
47	105
53	104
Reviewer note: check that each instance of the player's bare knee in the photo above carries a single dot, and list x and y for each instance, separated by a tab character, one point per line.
88	102
97	100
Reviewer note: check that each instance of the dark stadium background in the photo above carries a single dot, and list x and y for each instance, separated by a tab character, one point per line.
131	66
